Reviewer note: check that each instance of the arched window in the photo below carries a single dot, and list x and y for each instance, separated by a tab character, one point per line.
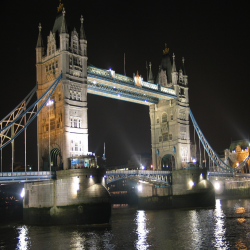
75	123
76	147
71	122
164	117
79	123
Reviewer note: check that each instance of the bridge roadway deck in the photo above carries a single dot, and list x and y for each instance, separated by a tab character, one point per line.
150	175
8	177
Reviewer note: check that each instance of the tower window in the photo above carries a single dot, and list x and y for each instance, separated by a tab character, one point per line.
172	117
56	64
76	146
165	136
157	120
53	49
71	122
170	137
164	117
160	138
79	123
75	123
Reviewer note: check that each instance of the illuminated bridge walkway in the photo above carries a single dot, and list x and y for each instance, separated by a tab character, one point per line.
109	84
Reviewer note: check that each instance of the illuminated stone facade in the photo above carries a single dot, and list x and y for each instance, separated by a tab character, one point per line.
237	153
170	119
63	123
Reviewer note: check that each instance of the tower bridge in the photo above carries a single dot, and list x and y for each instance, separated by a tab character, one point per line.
64	79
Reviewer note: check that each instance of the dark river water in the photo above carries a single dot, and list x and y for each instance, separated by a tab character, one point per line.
225	227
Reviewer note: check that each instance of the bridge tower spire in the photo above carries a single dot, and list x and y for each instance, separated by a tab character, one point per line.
150	74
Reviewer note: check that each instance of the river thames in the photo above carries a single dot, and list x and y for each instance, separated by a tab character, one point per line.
227	226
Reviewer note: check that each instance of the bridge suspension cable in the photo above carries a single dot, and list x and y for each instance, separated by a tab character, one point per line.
212	154
17	121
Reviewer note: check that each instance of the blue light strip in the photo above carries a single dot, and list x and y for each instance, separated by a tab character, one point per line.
207	147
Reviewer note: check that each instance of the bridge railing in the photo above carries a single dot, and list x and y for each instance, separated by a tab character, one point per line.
137	172
30	175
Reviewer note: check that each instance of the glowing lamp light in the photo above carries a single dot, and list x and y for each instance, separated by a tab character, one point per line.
139	188
151	166
22	193
145	101
194	160
105	176
142	167
191	183
118	95
50	102
110	69
94	82
237	164
217	186
91	176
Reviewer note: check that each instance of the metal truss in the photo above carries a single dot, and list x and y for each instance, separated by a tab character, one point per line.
152	176
216	159
19	118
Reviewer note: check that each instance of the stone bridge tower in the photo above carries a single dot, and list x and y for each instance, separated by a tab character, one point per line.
170	119
62	123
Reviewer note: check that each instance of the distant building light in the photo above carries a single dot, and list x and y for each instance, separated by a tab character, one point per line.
105	176
94	82
142	167
90	153
145	101
151	166
91	176
118	95
139	188
194	160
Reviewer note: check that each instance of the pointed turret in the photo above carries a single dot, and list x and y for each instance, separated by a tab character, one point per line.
183	68
39	45
150	74
64	36
82	32
83	41
174	72
40	39
185	77
64	26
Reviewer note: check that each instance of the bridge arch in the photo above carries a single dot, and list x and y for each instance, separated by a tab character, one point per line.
56	157
168	162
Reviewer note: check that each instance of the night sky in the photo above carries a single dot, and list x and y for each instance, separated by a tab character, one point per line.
213	38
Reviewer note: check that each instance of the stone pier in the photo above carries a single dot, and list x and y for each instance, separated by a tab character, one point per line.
77	196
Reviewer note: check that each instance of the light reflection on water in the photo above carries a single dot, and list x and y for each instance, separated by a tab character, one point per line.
225	227
23	238
219	229
141	243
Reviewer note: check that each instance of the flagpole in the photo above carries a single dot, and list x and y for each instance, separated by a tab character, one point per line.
124	65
